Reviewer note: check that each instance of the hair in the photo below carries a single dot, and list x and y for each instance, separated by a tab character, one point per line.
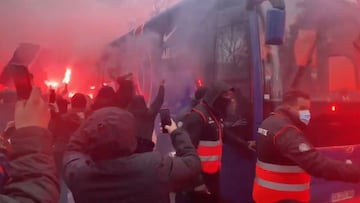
78	101
292	96
106	97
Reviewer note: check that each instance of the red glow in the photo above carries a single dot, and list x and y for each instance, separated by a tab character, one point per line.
333	108
199	83
51	84
67	76
71	94
91	96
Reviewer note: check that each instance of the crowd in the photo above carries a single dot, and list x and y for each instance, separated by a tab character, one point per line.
103	151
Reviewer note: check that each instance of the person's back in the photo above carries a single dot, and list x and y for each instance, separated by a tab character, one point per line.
101	166
137	178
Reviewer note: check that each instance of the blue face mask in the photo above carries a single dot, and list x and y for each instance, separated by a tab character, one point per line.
305	116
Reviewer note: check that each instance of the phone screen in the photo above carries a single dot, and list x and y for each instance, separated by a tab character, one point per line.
22	81
165	118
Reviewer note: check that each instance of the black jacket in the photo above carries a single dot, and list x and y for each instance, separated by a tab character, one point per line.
32	169
198	130
290	146
129	178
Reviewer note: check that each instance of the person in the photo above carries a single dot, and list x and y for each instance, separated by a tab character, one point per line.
101	166
145	118
126	91
236	128
32	171
106	97
286	159
64	125
204	125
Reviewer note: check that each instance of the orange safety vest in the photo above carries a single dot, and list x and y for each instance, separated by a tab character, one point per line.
210	151
275	182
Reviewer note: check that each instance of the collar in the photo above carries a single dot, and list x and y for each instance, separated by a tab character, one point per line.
294	120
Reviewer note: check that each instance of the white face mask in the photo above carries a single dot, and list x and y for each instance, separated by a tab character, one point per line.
305	116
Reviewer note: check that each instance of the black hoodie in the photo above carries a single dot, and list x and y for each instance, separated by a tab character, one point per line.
100	166
193	122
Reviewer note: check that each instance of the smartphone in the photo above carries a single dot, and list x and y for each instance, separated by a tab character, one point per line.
165	119
52	96
22	81
25	54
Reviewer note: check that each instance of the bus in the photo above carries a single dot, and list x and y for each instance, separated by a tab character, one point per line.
229	40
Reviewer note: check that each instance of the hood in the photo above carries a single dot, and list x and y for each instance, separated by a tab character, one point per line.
109	133
214	91
105	98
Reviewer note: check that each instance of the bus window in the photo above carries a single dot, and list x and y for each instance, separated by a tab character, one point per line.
318	56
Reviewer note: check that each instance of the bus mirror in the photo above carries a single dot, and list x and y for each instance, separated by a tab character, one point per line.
275	26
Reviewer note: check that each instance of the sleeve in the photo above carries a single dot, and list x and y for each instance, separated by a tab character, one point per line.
231	138
183	169
158	101
32	168
193	124
294	145
75	161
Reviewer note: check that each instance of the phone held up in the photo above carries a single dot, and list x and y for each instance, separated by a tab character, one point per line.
165	119
22	81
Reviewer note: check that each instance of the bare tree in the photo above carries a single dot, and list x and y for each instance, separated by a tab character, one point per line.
232	44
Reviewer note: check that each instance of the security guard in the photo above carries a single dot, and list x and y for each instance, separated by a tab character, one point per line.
286	160
205	127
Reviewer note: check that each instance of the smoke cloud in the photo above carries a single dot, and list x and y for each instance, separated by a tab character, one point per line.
75	32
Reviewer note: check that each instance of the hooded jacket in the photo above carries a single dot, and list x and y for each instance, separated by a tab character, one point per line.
100	164
198	130
193	123
32	169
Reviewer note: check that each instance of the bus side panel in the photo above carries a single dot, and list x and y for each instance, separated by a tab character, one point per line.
335	191
237	175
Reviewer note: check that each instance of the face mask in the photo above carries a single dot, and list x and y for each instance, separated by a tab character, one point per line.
305	116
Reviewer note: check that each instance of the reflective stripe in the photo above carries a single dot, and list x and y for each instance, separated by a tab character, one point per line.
210	143
282	186
279	168
209	158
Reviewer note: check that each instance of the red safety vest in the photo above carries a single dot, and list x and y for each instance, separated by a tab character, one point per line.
274	183
210	151
277	177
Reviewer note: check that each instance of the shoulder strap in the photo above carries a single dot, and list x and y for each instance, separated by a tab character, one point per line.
201	114
283	129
